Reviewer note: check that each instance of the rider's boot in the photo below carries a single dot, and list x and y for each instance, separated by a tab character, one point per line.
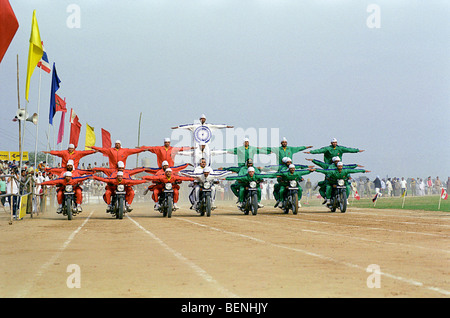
129	208
260	205
109	208
276	204
79	208
59	209
157	206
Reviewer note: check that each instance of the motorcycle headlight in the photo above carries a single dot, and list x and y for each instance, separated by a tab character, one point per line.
252	184
207	185
293	183
168	186
69	188
341	182
120	187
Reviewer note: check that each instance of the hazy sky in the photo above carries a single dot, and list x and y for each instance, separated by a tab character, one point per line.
305	70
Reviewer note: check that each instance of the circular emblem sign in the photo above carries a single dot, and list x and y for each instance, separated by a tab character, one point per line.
202	134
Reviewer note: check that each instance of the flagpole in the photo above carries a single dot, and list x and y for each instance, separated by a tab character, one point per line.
37	124
139	137
18	106
440	198
404	196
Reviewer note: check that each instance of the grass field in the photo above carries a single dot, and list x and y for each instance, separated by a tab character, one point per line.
427	203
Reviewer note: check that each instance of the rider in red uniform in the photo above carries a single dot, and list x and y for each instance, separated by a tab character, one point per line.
112	184
166	152
161	180
117	153
69	154
62	182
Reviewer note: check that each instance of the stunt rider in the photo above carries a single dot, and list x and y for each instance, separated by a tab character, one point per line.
70	154
166	152
291	175
61	184
207	174
286	151
161	171
69	167
244	182
161	180
111	188
246	152
333	166
333	150
117	153
335	174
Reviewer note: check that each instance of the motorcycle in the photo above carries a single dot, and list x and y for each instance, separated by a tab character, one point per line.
338	197
118	202
291	197
204	205
250	203
165	201
69	207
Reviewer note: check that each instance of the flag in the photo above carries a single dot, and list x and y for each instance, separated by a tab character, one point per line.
55	87
106	140
60	104
43	63
404	193
35	52
63	110
90	138
444	194
75	128
8	26
375	197
356	195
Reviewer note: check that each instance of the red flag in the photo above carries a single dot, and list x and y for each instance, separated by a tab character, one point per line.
356	195
60	104
61	128
75	128
444	194
8	26
106	139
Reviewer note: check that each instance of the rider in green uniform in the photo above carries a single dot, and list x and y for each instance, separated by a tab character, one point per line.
334	175
286	151
291	175
246	152
333	150
244	181
323	184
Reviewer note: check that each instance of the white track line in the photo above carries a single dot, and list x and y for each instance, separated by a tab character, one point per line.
329	234
52	260
197	269
327	258
369	228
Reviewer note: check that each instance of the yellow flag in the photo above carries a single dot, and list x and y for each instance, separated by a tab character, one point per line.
35	52
90	138
23	206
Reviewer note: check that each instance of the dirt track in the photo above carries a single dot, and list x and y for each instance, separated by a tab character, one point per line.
313	254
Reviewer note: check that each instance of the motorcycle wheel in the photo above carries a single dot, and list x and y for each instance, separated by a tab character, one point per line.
343	202
69	208
119	213
169	207
295	203
208	205
254	205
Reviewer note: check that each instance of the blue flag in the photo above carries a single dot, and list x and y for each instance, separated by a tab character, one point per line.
55	87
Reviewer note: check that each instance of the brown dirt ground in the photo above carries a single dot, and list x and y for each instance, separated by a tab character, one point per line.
313	254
